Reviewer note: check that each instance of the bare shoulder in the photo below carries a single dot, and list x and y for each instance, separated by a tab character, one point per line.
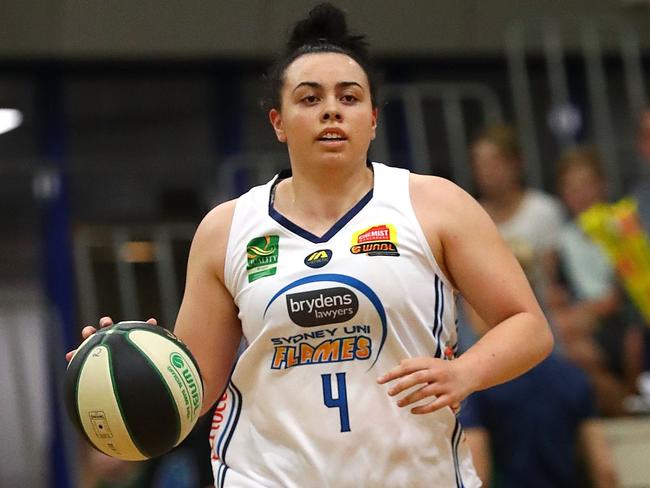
216	223
434	190
211	238
443	204
448	216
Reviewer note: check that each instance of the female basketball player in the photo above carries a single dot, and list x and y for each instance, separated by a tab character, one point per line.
342	275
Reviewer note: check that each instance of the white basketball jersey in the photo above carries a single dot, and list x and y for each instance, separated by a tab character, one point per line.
323	318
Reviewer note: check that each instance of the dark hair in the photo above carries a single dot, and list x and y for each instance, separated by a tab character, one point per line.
324	30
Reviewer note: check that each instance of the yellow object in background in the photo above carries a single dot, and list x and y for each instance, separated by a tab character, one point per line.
617	229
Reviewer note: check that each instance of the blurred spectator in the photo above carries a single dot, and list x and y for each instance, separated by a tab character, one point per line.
526	432
641	191
528	219
584	299
539	431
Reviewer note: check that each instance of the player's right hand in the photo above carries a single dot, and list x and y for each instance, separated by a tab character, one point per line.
89	330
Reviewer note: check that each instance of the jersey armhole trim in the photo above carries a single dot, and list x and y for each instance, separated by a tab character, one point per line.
424	243
229	277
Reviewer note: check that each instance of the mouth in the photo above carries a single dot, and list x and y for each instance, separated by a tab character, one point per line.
332	135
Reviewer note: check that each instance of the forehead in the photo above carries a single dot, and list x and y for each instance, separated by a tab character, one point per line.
484	147
324	68
579	170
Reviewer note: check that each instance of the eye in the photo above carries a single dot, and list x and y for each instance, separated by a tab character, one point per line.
349	98
309	99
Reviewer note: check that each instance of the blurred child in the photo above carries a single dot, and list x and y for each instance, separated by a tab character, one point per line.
584	298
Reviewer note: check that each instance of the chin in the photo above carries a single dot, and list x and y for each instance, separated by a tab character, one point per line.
337	159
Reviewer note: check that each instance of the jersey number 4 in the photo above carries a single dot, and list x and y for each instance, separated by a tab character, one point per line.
341	402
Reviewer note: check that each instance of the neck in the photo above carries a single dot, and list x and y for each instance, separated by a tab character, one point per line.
316	198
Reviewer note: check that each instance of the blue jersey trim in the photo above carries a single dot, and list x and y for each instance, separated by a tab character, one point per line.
346	280
455	441
305	234
439	314
221	475
229	430
231	423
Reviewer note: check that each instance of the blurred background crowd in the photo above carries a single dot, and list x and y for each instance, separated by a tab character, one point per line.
122	123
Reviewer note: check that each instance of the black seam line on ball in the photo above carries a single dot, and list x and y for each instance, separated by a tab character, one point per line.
164	382
150	409
116	395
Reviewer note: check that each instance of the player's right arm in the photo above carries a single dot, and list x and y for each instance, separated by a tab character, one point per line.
207	321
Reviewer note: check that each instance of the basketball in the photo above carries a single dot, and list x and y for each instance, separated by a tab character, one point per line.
133	390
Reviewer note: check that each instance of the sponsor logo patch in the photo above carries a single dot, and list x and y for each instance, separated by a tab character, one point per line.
262	257
320	307
319	258
342	320
378	240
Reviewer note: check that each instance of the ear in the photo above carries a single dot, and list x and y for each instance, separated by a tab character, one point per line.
276	121
373	126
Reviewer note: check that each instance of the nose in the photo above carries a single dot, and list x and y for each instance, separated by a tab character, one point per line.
331	115
331	112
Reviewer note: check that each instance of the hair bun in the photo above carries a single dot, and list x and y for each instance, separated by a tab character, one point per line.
325	24
323	30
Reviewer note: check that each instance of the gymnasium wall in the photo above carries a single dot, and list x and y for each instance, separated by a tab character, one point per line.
254	28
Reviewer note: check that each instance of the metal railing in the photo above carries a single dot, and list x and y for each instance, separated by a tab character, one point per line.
413	97
124	247
551	35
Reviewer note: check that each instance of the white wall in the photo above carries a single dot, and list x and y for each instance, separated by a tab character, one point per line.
24	398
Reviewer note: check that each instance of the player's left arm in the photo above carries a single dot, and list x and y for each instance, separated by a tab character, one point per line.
475	258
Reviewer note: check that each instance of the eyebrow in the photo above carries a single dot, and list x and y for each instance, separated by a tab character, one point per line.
314	84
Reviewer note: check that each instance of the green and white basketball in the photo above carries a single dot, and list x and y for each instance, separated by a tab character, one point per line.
133	390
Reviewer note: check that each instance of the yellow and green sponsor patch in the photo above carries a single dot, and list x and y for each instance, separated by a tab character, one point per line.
262	257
